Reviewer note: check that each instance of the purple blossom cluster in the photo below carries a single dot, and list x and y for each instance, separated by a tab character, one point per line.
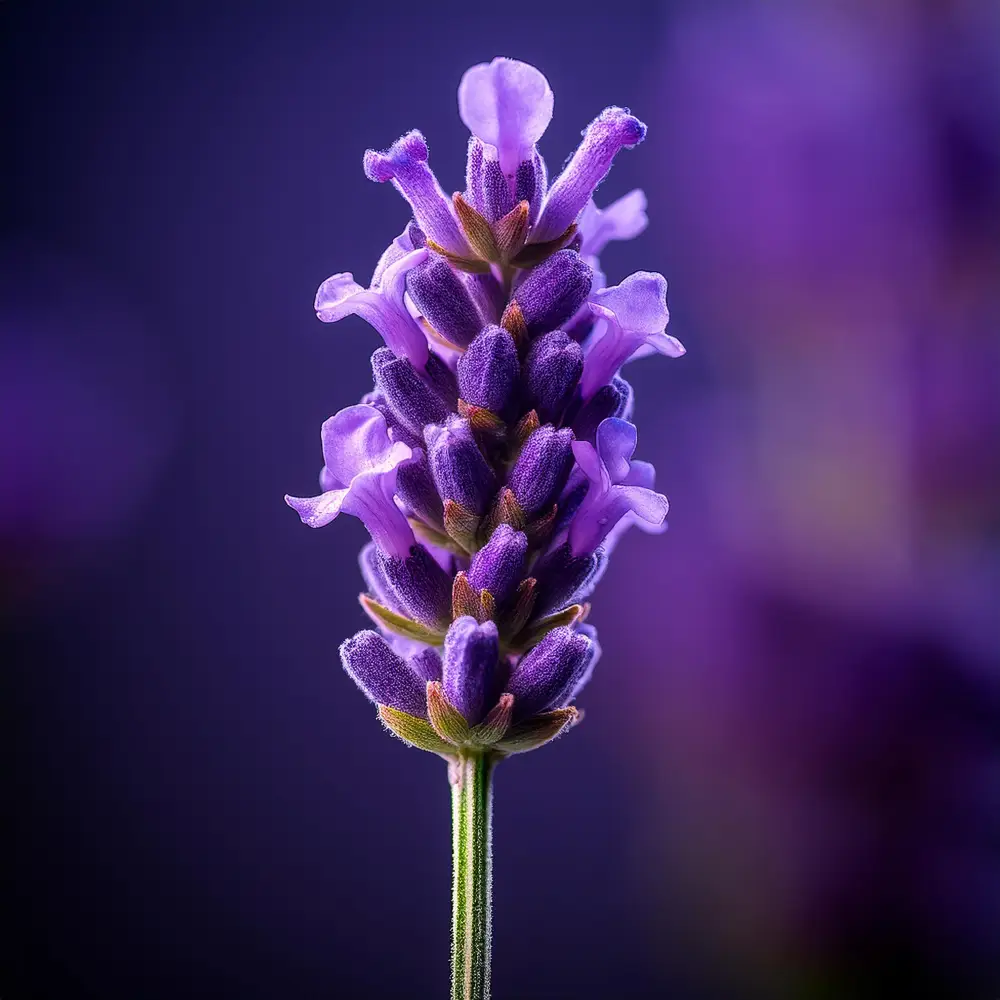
492	461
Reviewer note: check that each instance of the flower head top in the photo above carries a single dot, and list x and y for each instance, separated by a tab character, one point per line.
492	461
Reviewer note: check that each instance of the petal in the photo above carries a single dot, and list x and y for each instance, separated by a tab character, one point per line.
507	104
639	303
356	440
396	250
318	511
382	308
640	474
589	461
598	516
405	164
623	219
616	440
612	130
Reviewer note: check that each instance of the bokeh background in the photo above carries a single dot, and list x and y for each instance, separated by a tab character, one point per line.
788	783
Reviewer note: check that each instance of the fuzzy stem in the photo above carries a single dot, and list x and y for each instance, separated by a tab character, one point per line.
471	777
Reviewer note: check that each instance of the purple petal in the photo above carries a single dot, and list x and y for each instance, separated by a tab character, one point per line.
383	676
361	461
623	219
613	129
616	441
635	313
405	164
356	440
603	509
396	250
508	105
382	308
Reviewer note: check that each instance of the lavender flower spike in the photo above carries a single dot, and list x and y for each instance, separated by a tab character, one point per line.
618	487
493	461
613	129
380	306
359	478
636	315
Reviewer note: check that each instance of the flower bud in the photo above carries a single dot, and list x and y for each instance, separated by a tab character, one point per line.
541	469
383	676
548	673
498	566
421	586
488	371
410	401
552	292
444	301
459	469
471	667
551	372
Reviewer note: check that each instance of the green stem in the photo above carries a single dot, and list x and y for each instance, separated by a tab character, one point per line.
472	900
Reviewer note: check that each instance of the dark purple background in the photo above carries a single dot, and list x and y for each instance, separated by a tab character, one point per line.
788	783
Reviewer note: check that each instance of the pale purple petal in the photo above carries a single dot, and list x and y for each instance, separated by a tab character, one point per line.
396	250
318	511
362	461
508	105
616	440
356	440
612	130
635	313
623	219
620	490
405	164
382	308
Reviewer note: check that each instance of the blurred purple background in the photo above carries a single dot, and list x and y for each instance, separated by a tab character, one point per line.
788	784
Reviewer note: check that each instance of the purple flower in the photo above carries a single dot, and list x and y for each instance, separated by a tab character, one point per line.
381	306
612	130
359	478
507	105
405	164
623	219
492	462
635	315
618	487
